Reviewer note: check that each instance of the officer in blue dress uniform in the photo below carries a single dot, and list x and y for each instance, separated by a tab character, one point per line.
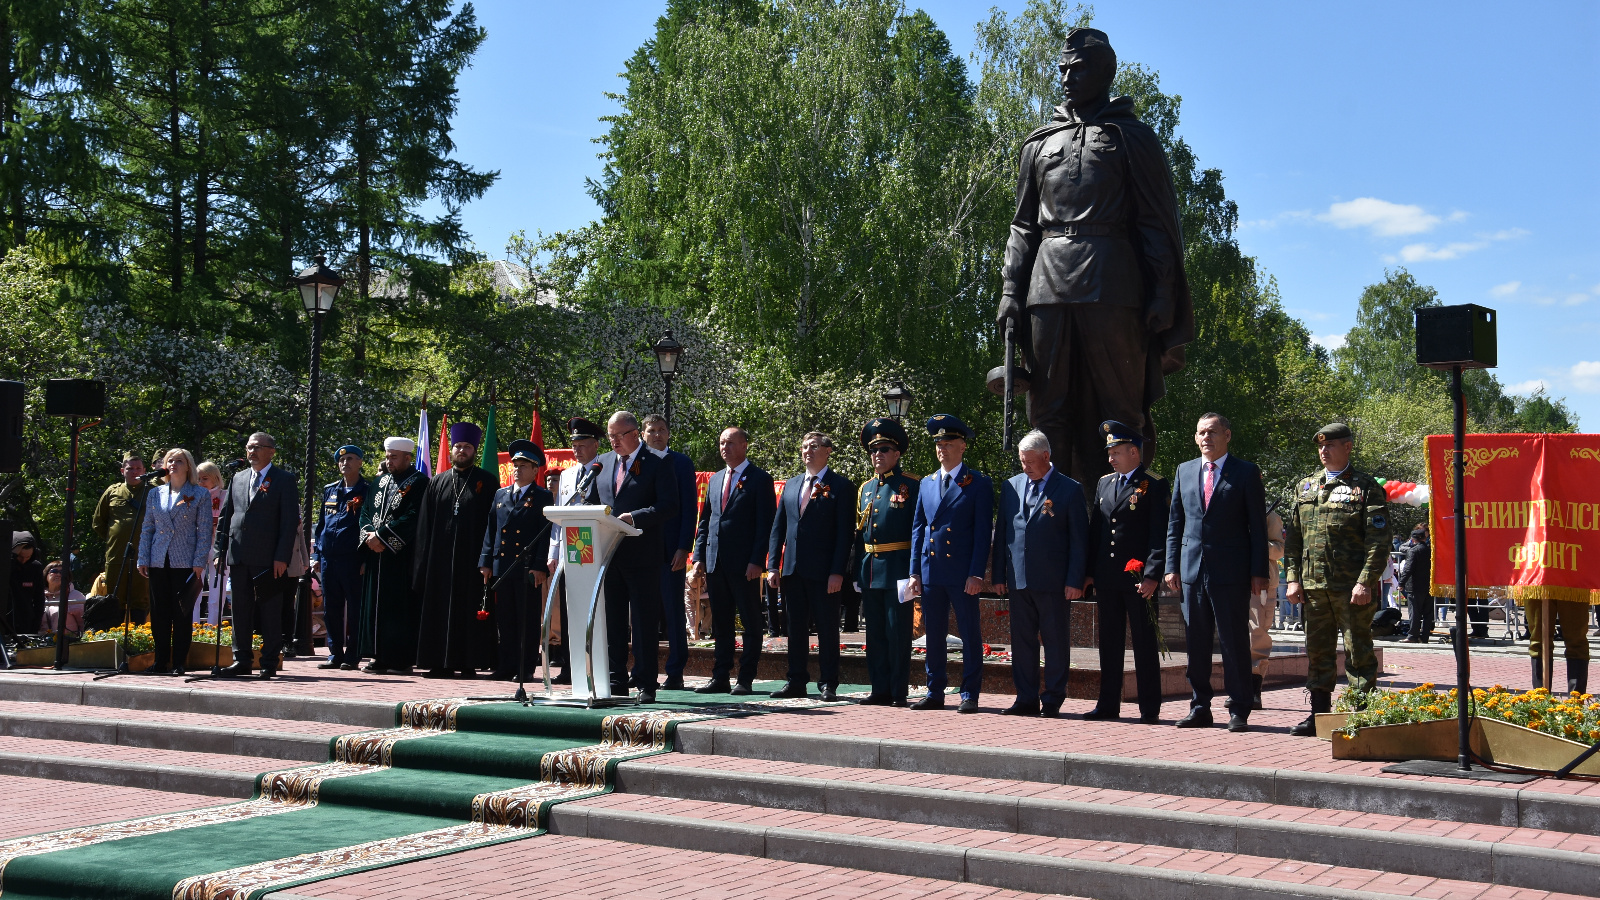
883	548
336	558
951	529
1127	524
517	535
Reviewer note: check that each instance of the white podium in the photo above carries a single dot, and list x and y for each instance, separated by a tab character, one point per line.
589	536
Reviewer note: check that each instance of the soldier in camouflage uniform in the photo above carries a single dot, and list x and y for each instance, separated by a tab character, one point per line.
1336	539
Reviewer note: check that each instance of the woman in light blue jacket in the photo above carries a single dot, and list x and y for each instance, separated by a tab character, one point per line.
174	549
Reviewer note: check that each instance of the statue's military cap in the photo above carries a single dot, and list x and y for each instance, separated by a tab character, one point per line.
945	427
885	431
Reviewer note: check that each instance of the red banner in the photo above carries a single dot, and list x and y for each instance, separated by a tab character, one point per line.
1532	510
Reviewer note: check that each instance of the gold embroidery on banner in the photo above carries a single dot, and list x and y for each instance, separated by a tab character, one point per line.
1589	453
1474	458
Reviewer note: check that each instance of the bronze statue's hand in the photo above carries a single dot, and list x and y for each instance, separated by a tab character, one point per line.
1158	317
1010	308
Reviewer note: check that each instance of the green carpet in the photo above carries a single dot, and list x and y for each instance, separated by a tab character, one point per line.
451	776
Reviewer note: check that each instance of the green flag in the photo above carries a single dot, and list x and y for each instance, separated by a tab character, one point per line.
490	459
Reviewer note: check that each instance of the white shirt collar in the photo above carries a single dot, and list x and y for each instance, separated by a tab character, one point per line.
819	476
660	453
1217	462
952	473
1043	478
733	472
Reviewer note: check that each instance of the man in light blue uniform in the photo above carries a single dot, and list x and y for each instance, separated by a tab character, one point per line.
950	533
336	558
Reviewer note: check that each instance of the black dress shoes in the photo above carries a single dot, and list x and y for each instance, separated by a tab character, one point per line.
1198	717
330	664
829	694
932	701
899	702
1237	722
1021	709
1050	711
237	670
874	700
968	706
714	687
267	674
647	696
790	691
1150	719
1101	715
437	673
562	677
742	689
673	683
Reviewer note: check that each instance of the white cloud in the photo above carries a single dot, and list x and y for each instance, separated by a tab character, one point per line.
1528	388
1576	299
1429	253
1505	290
1383	218
1332	342
1586	376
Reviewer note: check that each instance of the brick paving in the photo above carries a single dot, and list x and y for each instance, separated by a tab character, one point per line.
1532	837
35	805
1118	852
22	709
556	867
119	753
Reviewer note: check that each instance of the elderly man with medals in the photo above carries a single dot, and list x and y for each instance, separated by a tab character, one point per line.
514	544
883	547
336	558
457	630
388	533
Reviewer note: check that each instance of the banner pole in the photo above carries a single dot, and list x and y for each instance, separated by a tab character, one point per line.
1463	663
1547	645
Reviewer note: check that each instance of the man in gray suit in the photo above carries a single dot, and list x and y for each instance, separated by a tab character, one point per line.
255	534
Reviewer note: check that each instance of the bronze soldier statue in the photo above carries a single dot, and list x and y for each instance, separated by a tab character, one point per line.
1093	273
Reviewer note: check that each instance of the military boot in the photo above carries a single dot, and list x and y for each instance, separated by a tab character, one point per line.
1321	702
1538	673
1578	676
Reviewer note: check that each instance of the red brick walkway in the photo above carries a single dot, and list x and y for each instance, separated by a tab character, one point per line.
35	805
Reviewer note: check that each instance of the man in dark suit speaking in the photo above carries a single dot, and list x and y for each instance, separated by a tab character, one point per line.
730	549
1217	547
640	489
255	535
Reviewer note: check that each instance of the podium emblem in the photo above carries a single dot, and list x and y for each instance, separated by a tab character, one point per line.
580	545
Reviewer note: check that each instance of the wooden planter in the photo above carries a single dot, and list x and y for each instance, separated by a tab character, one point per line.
1491	739
90	655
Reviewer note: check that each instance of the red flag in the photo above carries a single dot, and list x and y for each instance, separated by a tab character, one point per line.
444	445
536	434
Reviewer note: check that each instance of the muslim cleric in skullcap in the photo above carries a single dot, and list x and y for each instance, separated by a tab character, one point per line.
402	444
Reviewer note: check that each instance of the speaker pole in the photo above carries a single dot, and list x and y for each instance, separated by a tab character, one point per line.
65	591
1463	661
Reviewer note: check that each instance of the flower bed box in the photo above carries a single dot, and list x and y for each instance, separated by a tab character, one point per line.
1493	740
90	655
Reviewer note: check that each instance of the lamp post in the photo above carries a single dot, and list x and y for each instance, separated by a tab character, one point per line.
318	286
898	396
667	353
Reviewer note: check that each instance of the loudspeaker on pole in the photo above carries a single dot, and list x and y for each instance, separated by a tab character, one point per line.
11	426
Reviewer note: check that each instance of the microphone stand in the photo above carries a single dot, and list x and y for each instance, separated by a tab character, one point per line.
216	652
517	566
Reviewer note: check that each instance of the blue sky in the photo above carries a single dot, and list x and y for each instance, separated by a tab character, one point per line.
1456	139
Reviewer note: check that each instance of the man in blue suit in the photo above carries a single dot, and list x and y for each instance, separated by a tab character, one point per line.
950	533
1041	548
1217	547
730	549
678	539
811	534
642	492
516	537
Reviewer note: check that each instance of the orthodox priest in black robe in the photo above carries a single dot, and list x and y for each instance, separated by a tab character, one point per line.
450	591
388	537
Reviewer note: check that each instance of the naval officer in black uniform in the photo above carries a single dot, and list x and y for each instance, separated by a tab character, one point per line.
1128	537
516	524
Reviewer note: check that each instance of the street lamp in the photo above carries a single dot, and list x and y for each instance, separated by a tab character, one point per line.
899	399
667	353
318	286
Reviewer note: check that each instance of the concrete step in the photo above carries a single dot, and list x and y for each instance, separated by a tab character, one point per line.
212	774
1523	858
1105	870
230	735
1438	799
251	699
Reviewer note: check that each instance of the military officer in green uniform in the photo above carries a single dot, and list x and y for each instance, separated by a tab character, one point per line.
118	518
883	545
1336	539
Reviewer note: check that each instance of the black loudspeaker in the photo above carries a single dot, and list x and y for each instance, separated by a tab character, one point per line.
5	578
1449	336
10	426
81	397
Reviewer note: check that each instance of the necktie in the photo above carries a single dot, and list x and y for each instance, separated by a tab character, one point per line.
622	469
1211	483
255	483
946	485
727	489
805	494
1033	496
